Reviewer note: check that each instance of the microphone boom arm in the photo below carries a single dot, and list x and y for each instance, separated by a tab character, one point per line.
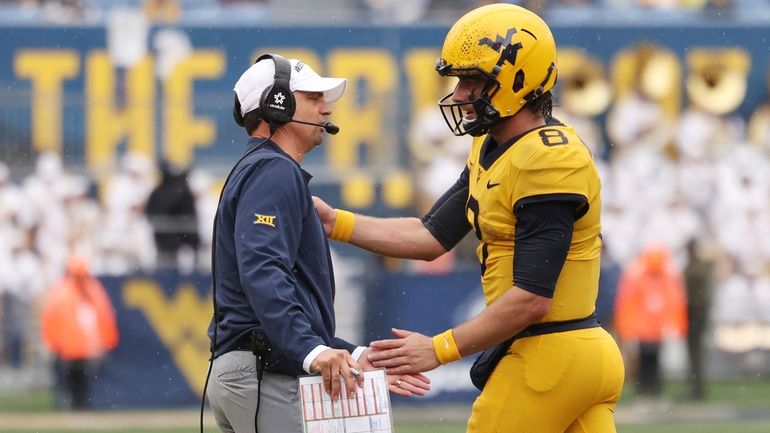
329	127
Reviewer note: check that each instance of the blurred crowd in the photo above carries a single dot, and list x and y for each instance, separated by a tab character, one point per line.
376	11
142	219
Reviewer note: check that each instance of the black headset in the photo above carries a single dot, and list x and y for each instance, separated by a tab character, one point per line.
277	103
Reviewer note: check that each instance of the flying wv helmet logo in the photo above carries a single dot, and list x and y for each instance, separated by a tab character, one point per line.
503	45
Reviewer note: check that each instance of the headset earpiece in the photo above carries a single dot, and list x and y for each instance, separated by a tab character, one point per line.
237	116
277	103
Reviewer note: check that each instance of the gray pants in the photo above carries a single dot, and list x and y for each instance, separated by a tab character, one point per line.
232	393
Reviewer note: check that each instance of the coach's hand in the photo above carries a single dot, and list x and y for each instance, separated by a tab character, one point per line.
405	385
327	214
411	353
334	364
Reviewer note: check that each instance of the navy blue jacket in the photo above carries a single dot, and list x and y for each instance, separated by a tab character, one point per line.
272	261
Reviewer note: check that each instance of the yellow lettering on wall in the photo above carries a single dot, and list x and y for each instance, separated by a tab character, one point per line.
357	190
109	121
179	322
426	86
397	189
367	107
46	69
184	132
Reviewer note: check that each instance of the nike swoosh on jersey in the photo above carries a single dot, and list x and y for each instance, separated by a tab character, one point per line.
491	185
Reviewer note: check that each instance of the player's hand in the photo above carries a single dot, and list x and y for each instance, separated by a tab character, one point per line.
411	353
405	385
334	364
327	213
408	385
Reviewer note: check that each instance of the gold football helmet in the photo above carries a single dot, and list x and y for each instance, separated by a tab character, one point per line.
512	49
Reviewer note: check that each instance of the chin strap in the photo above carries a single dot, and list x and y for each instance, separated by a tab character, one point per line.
539	90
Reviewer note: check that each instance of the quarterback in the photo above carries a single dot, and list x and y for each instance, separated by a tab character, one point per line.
531	193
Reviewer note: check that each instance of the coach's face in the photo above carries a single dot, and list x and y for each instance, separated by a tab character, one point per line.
311	107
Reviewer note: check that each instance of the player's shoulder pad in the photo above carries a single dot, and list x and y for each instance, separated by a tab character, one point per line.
552	147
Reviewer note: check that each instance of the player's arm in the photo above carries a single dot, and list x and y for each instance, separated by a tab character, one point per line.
423	238
553	197
406	238
543	237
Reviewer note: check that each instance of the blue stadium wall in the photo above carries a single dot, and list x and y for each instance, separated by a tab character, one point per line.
59	91
162	357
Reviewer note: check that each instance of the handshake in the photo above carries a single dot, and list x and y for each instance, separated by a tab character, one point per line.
404	359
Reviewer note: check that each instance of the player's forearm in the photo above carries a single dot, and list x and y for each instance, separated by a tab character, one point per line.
395	237
507	316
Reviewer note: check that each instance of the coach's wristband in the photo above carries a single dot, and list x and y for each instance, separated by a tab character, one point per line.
343	225
445	347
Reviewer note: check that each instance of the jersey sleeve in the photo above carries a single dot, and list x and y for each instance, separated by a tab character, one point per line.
446	220
554	174
543	236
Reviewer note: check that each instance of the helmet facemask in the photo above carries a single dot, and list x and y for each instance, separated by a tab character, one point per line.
486	113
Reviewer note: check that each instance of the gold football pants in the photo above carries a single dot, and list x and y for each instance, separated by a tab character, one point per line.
554	383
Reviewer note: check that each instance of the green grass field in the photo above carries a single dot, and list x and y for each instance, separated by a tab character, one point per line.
730	427
177	430
746	403
733	427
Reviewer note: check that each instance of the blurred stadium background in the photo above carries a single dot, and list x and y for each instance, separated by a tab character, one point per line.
101	100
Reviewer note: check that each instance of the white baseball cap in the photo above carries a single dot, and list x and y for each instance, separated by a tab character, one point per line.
260	75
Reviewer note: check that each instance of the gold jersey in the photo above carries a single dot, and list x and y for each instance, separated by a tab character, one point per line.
548	160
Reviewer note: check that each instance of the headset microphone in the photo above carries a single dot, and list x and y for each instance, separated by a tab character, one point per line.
329	127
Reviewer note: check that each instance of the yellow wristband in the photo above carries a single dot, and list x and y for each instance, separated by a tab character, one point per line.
445	347
343	225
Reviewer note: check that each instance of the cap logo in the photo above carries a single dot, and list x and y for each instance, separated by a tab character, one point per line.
298	67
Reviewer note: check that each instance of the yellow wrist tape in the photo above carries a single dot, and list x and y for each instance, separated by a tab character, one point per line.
343	225
445	347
